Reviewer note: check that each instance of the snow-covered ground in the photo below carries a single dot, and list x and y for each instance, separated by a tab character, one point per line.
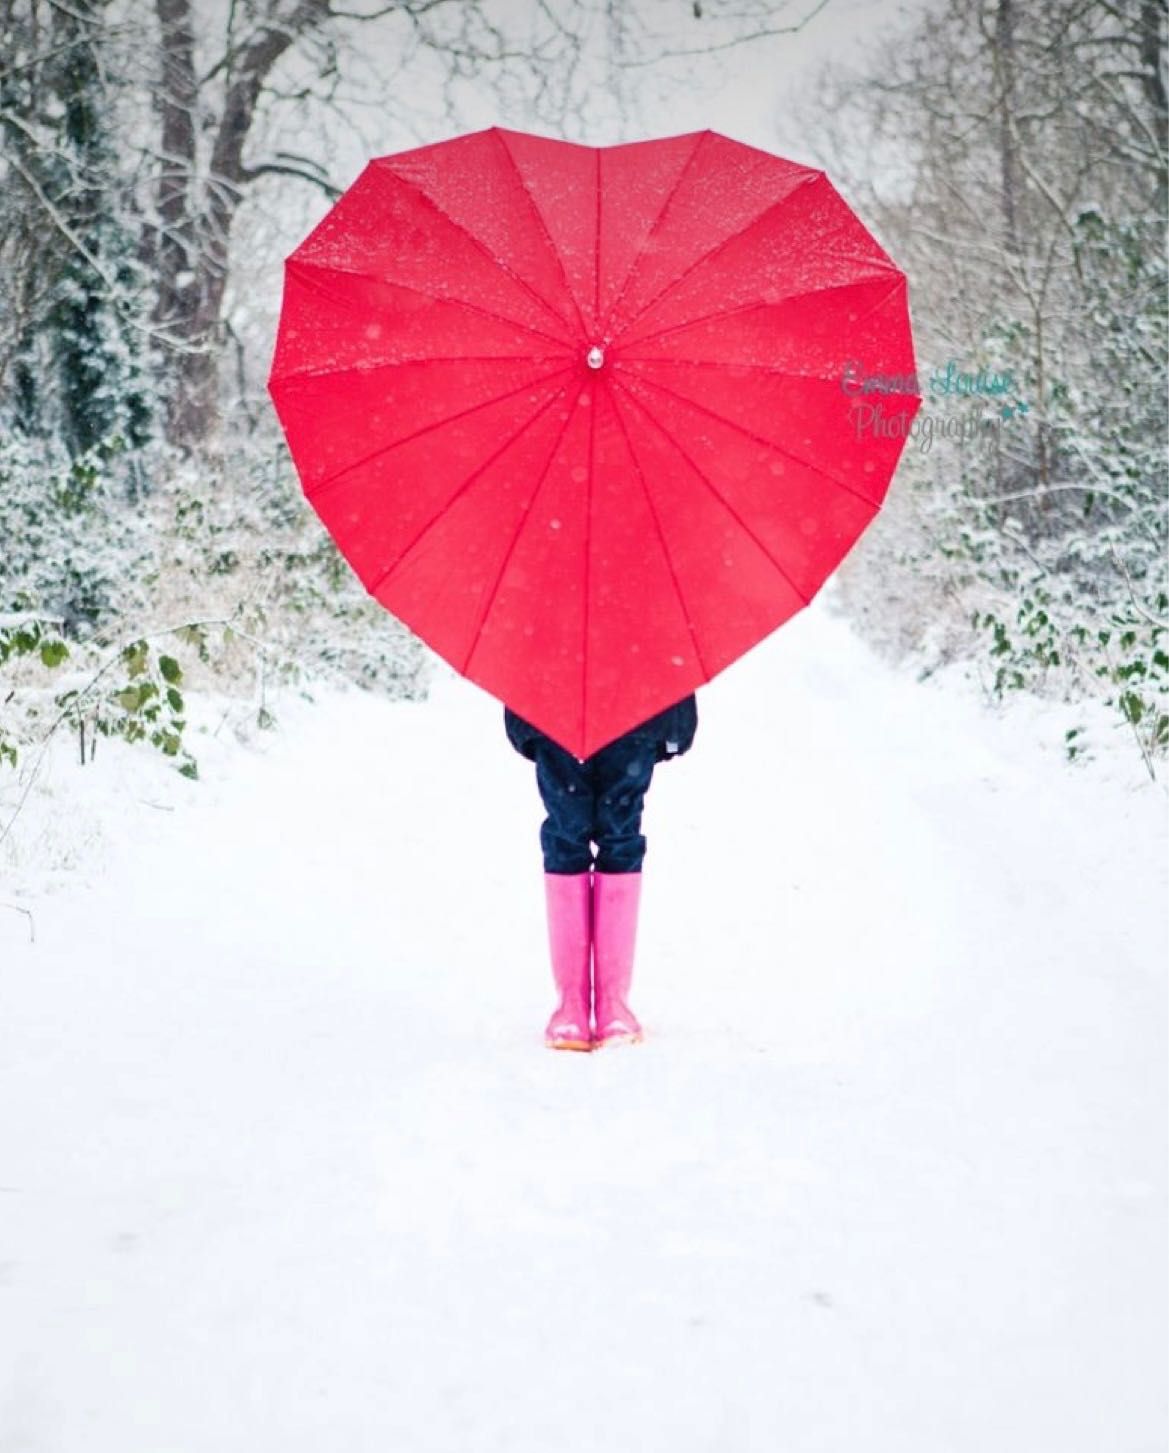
285	1166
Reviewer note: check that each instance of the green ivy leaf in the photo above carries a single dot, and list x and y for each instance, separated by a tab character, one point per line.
53	652
195	636
171	670
135	658
1132	706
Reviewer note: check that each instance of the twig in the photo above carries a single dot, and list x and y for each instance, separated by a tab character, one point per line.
17	908
1136	605
114	658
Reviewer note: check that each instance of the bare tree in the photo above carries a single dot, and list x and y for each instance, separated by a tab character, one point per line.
220	75
555	59
1026	201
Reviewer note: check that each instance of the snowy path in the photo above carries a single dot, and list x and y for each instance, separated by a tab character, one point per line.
284	1166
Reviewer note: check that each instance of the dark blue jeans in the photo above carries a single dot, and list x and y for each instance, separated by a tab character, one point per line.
596	801
600	800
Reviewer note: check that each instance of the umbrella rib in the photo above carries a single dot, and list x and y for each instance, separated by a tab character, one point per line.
515	539
662	540
420	292
429	358
588	551
719	246
429	428
597	246
641	251
555	251
718	494
722	499
485	250
759	439
724	364
462	489
755	307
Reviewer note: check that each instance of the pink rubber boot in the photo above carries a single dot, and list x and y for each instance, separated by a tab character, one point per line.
616	897
568	897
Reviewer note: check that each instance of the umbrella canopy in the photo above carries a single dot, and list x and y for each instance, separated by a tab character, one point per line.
586	418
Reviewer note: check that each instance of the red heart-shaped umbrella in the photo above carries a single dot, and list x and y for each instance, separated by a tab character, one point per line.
586	418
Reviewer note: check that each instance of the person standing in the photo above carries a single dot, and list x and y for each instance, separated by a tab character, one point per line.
592	900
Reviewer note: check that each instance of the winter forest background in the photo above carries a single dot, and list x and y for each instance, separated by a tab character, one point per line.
159	159
284	1163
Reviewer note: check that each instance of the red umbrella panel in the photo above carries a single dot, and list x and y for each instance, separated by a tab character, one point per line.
581	417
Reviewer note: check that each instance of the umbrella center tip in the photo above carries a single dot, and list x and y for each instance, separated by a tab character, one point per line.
595	356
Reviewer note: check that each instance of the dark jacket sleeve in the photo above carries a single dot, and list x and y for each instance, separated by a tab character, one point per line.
521	734
679	724
670	733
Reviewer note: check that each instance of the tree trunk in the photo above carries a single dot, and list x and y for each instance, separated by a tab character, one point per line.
1153	82
1005	75
191	406
194	244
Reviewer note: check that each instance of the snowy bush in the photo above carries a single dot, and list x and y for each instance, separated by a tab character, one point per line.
223	579
1031	230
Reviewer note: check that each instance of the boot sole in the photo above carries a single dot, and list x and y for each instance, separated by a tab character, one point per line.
582	1044
612	1040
